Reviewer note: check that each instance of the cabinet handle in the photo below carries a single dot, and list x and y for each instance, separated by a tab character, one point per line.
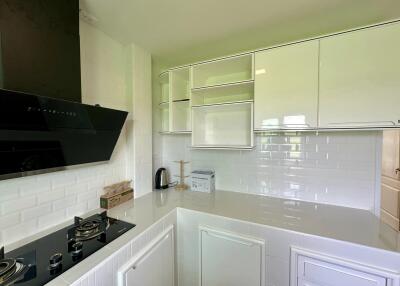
286	125
250	244
397	170
365	124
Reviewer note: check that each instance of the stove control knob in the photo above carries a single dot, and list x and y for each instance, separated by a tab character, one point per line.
55	260
76	248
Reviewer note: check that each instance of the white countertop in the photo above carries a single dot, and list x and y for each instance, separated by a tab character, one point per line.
335	222
339	223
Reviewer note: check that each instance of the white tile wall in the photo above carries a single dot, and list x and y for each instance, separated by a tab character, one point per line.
337	168
32	204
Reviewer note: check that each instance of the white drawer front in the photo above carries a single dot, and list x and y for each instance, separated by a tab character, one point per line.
335	275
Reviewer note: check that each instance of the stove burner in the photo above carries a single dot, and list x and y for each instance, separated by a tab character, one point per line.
11	271
7	268
86	229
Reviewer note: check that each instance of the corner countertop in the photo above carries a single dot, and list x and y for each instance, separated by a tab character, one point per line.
334	222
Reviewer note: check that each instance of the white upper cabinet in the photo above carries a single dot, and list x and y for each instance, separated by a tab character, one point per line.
360	79
286	87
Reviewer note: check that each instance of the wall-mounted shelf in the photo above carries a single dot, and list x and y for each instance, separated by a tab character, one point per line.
228	70
180	100
223	126
164	104
181	116
164	82
233	92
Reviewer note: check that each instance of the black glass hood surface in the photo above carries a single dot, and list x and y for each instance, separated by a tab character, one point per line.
45	134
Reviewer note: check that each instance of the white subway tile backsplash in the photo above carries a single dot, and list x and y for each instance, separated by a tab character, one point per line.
329	167
51	196
77	209
36	212
18	204
52	218
31	204
9	220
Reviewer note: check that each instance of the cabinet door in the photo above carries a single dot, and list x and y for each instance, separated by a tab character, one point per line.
359	79
391	154
230	259
286	87
154	266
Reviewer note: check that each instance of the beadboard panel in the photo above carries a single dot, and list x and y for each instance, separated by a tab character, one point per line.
338	168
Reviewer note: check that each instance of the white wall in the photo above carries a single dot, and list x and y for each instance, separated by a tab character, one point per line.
140	163
103	69
29	205
339	168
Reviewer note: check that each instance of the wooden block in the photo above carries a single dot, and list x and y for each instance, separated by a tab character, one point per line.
109	201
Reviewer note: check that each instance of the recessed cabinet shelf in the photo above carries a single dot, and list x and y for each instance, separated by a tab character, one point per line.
180	100
180	84
164	82
229	70
228	93
223	126
181	116
164	105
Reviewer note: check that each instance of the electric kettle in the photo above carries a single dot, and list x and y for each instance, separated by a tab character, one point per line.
161	179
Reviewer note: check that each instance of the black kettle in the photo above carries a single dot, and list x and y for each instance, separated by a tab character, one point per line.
161	179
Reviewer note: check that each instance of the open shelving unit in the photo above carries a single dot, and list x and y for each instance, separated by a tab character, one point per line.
227	93
213	100
227	125
164	104
222	99
223	71
180	100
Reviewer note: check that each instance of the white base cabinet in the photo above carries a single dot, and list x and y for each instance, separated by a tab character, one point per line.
230	259
153	266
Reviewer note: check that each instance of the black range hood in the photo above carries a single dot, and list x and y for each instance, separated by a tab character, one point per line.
41	133
43	125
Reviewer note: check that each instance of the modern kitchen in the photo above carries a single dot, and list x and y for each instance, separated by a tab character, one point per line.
209	143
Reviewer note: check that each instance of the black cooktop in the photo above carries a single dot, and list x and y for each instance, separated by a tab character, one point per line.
40	261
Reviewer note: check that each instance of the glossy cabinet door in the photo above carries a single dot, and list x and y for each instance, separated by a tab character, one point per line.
360	79
286	87
154	266
230	259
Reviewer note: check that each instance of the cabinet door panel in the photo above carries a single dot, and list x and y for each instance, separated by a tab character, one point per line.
359	79
228	259
286	87
155	266
324	273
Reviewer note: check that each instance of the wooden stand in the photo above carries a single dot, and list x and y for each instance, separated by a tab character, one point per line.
181	186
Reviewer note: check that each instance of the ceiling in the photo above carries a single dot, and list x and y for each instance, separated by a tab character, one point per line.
183	31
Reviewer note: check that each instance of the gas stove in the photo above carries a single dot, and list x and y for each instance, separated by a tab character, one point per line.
40	261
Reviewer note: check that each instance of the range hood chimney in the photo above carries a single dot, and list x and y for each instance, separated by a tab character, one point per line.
43	125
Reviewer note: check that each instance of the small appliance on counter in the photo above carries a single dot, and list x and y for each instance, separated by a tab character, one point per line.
203	181
161	178
40	261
